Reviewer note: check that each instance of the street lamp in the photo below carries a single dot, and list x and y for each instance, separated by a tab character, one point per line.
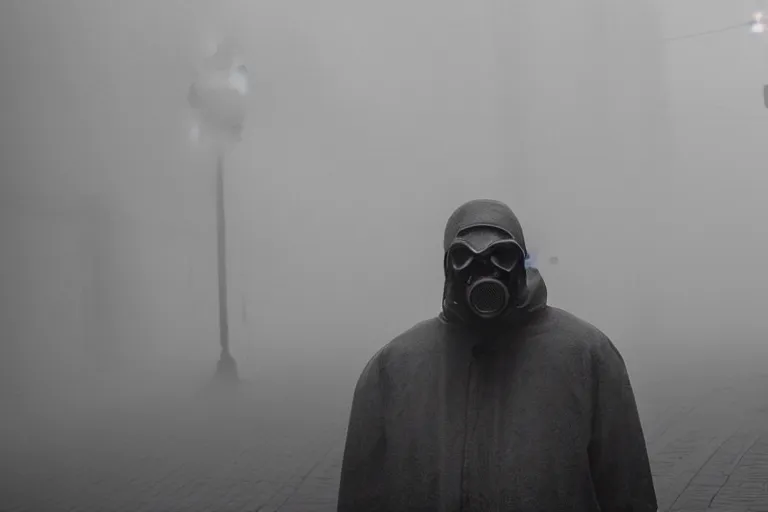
758	23
218	100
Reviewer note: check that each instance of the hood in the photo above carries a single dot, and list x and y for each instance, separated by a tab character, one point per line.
494	214
486	213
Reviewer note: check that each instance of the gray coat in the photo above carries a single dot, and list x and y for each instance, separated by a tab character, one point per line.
538	417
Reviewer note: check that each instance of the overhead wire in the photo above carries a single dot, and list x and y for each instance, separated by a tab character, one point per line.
757	25
709	32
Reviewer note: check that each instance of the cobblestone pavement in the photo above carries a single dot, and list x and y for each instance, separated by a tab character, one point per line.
713	455
709	453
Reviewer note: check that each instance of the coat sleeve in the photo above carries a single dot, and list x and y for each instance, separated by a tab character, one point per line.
619	463
363	477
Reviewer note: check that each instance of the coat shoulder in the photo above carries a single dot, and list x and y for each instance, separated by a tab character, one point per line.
398	353
422	337
567	326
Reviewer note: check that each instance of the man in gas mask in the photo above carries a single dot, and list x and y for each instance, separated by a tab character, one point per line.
501	403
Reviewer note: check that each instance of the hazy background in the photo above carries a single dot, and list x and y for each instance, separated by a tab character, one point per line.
638	162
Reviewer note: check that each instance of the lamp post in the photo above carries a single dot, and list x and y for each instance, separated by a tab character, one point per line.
218	99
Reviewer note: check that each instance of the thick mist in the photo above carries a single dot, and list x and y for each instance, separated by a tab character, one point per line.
633	163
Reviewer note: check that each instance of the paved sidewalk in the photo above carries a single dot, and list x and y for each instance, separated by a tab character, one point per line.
708	454
203	457
318	488
715	457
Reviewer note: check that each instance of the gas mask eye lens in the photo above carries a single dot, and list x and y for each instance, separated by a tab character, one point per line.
461	257
505	257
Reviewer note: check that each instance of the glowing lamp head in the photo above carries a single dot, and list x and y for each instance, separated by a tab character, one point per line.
758	24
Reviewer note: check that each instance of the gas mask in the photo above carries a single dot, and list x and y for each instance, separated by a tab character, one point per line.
485	271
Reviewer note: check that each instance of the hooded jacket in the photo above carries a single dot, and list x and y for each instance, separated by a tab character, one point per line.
540	416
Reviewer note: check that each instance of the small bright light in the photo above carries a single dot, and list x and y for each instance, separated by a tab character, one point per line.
758	27
238	79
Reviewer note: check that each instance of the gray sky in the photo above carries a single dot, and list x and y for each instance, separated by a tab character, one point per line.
636	161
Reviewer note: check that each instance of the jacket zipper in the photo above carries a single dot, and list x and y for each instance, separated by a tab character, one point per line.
467	410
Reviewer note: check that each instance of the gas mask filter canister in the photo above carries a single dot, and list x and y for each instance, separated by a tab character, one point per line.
486	275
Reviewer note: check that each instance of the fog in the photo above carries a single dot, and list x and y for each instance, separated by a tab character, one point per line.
635	163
